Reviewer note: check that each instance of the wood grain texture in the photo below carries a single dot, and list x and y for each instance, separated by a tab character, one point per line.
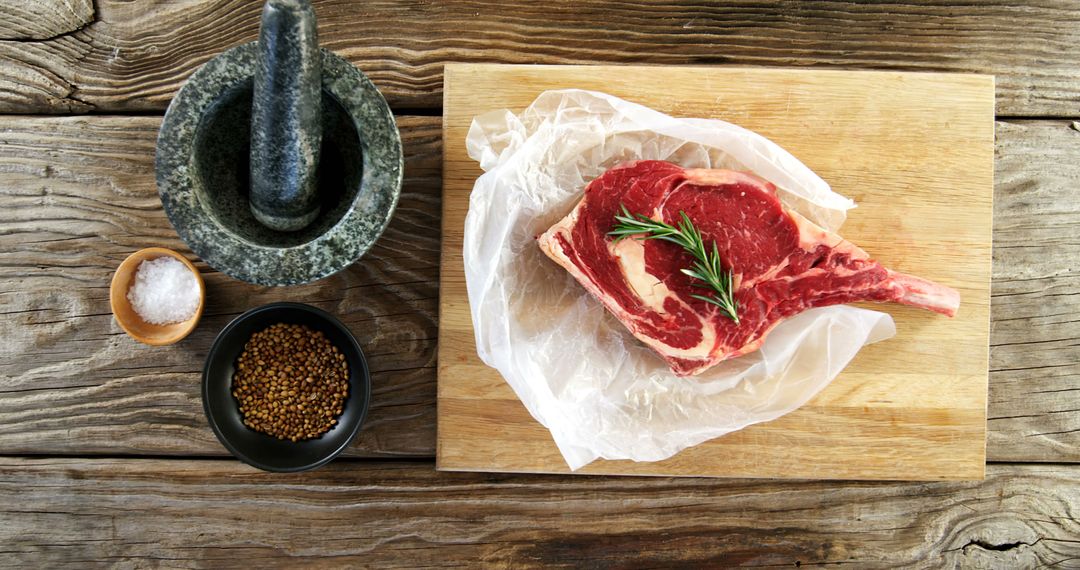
79	196
135	55
138	513
912	407
1035	341
67	162
43	19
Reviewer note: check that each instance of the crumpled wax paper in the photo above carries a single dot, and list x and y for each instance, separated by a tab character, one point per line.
600	391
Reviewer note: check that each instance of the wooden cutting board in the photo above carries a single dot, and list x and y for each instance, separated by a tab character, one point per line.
914	150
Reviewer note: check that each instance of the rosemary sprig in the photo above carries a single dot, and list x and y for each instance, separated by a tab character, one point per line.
706	267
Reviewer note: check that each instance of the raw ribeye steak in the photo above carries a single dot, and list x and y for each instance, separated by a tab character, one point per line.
782	263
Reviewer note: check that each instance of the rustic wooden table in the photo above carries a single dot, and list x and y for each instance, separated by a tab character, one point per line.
106	458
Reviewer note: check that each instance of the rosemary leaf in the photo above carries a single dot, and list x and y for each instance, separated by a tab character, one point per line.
706	268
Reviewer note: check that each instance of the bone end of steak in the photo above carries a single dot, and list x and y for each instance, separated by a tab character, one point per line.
919	292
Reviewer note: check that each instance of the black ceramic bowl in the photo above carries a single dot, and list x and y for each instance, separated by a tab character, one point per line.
261	450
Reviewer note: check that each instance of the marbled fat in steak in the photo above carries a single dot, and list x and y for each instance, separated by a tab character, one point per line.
783	263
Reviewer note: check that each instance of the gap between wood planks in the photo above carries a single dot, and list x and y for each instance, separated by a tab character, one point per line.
152	457
412	459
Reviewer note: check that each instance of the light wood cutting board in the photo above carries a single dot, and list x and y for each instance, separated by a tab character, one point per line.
915	151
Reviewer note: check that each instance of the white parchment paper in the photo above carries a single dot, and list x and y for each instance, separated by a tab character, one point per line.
601	392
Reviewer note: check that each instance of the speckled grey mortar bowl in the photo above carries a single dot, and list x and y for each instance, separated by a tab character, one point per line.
202	173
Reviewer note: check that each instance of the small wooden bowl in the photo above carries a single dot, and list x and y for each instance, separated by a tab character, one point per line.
130	321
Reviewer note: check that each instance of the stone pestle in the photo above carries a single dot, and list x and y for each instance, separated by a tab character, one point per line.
286	117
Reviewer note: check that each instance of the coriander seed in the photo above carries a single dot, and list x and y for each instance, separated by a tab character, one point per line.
291	382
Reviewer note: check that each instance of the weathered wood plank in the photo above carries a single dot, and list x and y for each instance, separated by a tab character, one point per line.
43	19
135	55
1034	412
136	513
79	196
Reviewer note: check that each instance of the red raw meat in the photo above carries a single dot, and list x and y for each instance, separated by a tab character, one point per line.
783	263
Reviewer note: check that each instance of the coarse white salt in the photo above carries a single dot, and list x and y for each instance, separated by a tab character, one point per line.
165	291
